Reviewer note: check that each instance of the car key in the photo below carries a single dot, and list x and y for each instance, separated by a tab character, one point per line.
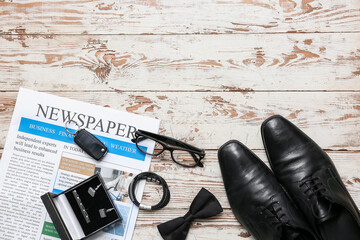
88	142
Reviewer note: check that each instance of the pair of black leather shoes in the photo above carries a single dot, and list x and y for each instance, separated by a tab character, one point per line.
315	203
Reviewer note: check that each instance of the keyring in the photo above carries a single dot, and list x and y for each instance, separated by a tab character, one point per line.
66	128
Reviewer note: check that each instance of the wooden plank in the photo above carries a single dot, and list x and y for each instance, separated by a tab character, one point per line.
184	17
225	224
210	119
260	62
179	178
253	65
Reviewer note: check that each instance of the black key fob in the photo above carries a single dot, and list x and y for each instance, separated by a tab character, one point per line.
90	144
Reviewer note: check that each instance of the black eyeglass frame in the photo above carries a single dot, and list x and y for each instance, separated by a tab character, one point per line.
141	135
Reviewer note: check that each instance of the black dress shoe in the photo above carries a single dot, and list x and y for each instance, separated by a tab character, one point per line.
257	200
311	179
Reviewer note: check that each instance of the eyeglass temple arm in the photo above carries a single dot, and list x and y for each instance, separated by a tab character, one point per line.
166	139
158	137
200	151
142	137
138	139
176	142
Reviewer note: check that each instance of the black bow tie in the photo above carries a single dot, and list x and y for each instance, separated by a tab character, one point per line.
204	205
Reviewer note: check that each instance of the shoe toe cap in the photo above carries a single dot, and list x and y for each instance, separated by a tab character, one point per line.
281	137
235	155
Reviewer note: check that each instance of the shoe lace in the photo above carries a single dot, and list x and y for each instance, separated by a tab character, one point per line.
313	187
279	218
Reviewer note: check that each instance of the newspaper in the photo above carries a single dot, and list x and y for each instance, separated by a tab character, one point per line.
40	156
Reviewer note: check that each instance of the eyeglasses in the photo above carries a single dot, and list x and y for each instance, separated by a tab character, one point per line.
182	154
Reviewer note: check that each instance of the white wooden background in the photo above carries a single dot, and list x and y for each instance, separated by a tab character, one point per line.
210	70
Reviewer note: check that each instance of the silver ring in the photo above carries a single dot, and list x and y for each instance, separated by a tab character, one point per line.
66	127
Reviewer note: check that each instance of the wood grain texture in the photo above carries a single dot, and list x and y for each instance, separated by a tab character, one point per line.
210	119
223	226
179	179
175	16
258	62
211	70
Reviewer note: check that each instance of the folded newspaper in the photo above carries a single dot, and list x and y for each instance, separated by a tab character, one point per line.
41	156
